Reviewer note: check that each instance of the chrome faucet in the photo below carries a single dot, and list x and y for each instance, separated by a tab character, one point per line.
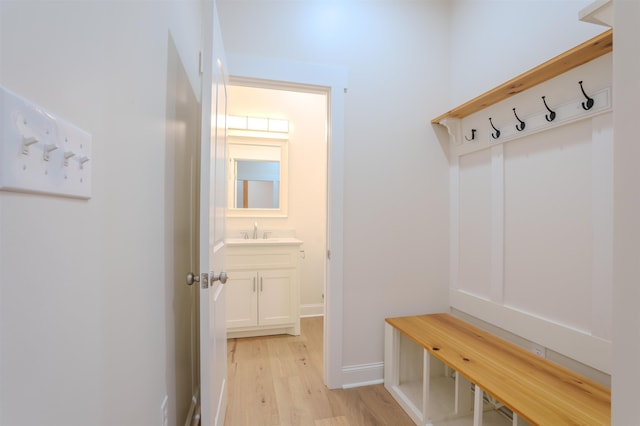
255	230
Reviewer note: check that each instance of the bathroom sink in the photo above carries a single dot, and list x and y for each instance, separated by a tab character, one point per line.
275	241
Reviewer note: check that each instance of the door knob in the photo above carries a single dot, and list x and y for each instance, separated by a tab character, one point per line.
222	277
192	278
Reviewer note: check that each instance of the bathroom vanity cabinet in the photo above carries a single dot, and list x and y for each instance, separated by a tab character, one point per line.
263	290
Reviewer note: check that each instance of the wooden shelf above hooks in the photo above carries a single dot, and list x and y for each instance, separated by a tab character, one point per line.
581	54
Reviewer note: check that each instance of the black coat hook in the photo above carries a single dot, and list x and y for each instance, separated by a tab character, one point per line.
495	135
589	103
552	114
473	135
519	127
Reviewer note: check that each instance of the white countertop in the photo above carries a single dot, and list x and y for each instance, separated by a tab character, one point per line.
275	241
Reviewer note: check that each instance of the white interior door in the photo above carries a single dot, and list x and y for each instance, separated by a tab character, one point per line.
213	339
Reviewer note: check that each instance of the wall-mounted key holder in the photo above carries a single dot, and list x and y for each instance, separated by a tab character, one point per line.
41	153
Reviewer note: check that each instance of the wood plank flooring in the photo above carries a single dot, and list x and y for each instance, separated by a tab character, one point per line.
277	381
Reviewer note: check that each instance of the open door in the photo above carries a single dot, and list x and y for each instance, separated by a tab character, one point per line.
211	279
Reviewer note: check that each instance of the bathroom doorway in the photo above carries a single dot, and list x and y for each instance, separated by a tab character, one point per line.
305	110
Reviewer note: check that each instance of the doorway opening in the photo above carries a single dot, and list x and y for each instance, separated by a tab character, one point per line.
305	216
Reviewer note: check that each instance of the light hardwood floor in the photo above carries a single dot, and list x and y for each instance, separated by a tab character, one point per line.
277	381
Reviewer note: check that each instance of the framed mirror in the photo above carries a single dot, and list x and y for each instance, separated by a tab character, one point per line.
257	178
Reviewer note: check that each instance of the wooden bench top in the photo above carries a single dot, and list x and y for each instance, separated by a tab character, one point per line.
537	389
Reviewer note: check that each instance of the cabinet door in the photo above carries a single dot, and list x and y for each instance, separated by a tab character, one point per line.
277	294
242	299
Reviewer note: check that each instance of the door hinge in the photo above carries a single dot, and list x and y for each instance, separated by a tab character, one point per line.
200	62
329	254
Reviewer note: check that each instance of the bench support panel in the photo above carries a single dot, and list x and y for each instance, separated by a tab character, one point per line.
464	396
478	403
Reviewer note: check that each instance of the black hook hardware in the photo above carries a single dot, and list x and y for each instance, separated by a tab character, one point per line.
552	114
589	104
495	135
519	127
473	135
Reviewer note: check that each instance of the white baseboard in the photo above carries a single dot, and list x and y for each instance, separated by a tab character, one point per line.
362	375
312	310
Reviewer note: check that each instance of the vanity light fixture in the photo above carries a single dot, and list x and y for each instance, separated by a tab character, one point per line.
257	123
276	125
236	122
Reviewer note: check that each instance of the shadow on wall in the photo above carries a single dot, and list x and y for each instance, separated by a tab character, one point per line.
443	138
181	146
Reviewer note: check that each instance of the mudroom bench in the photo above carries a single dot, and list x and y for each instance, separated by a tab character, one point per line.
441	369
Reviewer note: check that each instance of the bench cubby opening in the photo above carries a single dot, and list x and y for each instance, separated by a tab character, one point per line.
446	372
431	392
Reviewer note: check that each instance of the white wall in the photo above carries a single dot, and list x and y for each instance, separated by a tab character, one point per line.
626	268
91	311
396	199
307	149
493	41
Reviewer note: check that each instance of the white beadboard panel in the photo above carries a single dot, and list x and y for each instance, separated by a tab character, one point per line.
548	225
475	223
576	344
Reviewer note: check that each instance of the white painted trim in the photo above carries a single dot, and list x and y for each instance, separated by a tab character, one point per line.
454	128
569	112
332	355
392	374
363	375
602	213
426	384
600	12
497	223
222	405
478	399
287	71
585	348
334	79
192	409
312	310
360	384
292	330
454	224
